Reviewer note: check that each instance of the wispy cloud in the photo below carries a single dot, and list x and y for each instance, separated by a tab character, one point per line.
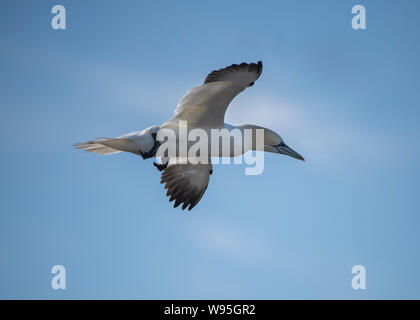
324	138
230	242
240	243
149	93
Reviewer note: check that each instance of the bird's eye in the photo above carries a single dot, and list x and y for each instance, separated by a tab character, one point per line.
251	84
281	144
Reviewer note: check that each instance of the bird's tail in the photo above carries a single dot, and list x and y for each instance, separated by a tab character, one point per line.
139	142
105	146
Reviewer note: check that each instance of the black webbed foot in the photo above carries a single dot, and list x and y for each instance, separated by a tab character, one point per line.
160	167
152	152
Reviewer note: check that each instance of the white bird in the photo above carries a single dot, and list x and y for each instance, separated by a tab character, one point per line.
202	107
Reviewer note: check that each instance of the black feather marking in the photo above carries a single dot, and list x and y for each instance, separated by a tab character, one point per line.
219	75
179	188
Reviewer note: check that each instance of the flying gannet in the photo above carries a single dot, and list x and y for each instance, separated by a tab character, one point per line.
204	108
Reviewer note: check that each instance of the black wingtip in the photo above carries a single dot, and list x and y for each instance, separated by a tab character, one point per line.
260	68
218	75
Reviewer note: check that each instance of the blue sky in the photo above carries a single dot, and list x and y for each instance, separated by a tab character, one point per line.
347	100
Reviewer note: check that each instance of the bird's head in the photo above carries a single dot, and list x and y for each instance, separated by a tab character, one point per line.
272	142
275	144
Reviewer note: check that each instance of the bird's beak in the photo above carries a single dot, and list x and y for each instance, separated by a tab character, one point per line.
284	149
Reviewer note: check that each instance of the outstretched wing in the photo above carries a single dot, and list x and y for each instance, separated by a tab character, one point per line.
206	105
186	183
